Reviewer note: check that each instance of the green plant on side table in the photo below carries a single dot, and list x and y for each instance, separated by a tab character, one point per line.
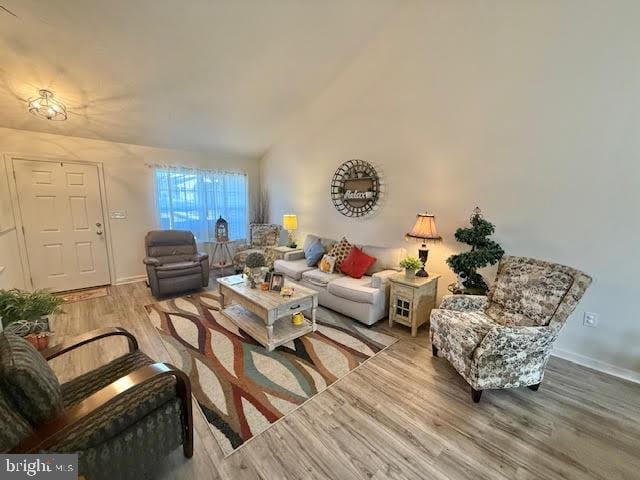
27	314
410	265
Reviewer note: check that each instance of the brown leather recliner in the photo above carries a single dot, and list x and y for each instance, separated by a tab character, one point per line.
173	262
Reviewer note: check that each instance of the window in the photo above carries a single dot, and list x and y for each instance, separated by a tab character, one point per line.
195	199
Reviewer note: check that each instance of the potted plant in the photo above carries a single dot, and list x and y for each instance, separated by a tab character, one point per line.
410	265
27	314
256	265
484	252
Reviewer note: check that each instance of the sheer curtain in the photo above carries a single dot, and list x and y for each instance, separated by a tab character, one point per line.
193	200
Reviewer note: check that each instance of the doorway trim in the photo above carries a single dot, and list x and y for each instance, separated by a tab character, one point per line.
17	214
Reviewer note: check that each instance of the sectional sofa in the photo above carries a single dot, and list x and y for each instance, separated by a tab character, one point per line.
366	299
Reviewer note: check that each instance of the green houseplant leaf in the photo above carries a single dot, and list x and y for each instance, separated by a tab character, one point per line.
18	305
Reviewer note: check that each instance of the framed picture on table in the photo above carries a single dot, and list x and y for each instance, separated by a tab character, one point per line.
276	282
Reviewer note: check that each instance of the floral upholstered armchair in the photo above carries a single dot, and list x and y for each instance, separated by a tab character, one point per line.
261	237
504	340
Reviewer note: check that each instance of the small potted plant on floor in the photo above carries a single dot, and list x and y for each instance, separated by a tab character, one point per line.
256	266
27	314
410	265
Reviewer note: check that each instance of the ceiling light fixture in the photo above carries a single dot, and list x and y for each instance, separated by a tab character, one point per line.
46	106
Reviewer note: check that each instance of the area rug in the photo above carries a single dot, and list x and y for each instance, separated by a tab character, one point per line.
242	388
86	294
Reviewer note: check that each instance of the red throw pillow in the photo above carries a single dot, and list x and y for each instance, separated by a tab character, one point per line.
356	263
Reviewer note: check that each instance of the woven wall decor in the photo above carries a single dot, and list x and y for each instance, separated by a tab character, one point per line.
355	188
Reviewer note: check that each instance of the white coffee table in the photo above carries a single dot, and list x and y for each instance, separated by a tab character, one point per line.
266	315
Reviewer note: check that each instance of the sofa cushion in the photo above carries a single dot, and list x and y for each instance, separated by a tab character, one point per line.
314	252
320	278
527	292
356	263
28	380
386	258
340	250
292	268
355	289
327	243
195	269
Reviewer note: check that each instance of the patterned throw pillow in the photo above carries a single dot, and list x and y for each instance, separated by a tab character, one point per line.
327	264
340	251
28	380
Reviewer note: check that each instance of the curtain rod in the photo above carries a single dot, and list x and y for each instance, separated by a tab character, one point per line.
198	169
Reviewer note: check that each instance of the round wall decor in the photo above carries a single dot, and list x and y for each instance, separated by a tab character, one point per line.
355	188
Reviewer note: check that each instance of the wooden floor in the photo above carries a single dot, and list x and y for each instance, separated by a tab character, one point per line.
403	415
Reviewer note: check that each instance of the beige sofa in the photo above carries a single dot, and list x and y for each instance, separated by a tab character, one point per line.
365	299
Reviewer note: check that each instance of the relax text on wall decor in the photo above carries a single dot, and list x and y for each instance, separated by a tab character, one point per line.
355	188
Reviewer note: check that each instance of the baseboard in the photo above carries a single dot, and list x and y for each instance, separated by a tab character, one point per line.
133	279
604	367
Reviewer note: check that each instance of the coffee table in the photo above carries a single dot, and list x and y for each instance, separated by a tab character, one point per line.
266	315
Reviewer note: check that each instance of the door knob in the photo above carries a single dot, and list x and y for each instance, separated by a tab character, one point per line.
99	232
98	224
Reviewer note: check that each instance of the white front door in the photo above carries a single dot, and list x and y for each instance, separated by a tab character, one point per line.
61	210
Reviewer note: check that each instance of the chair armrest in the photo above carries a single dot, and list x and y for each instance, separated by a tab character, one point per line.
85	338
507	344
151	261
299	255
380	280
200	256
464	303
47	434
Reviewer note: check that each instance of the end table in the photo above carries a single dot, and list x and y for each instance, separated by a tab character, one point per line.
411	300
280	252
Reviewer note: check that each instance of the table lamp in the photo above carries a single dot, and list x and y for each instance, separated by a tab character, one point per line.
424	229
290	224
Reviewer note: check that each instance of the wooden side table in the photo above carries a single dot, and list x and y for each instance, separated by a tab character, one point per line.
279	252
411	300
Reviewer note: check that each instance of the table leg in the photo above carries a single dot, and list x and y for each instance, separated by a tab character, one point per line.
221	293
269	337
414	328
314	326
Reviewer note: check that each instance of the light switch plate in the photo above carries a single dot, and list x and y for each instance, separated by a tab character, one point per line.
119	215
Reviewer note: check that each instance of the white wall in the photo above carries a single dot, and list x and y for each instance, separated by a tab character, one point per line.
129	188
530	110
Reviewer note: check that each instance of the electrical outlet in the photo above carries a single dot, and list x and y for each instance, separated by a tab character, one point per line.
590	319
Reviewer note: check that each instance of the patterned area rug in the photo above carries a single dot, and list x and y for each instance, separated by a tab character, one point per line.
241	388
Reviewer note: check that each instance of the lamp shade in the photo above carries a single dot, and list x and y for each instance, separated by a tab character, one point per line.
425	228
290	222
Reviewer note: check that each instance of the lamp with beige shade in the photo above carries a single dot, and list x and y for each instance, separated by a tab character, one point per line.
290	224
424	229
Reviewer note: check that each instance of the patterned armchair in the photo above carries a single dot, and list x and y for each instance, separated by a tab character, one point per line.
121	419
261	237
504	340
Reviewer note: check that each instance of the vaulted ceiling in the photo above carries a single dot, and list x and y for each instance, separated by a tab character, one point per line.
212	75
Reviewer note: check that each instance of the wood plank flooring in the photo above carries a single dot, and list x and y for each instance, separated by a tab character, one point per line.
404	415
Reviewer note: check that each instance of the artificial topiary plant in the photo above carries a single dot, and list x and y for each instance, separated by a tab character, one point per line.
484	252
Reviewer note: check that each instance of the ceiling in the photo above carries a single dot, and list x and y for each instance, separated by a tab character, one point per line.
210	75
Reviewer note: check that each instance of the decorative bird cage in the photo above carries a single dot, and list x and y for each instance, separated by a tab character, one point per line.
222	230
